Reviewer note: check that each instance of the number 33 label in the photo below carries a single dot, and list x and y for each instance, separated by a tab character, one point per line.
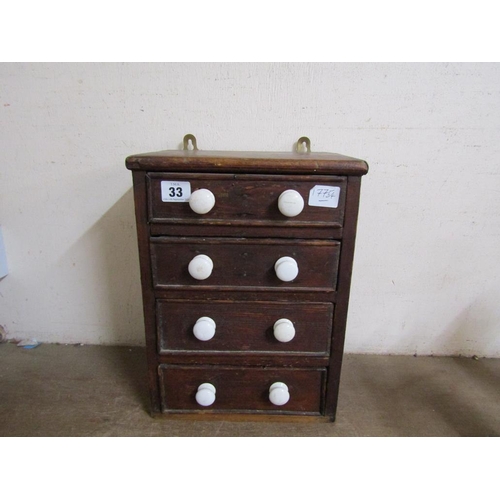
175	191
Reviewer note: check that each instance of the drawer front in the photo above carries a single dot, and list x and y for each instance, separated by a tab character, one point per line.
244	327
247	200
241	389
244	263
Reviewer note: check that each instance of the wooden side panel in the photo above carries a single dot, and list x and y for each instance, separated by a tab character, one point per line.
148	298
344	285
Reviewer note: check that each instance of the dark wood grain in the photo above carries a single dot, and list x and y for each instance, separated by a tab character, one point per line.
148	298
314	231
246	201
245	294
241	389
244	263
345	273
247	162
245	358
248	328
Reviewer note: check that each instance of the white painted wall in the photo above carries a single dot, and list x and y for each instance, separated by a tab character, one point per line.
426	274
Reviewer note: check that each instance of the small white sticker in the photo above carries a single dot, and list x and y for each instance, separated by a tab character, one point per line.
175	191
324	196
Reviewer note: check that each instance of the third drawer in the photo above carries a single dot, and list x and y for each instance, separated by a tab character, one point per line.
244	326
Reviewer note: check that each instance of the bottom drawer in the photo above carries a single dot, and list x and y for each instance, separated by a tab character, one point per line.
243	390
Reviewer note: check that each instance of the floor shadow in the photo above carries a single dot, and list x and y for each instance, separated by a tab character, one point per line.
110	296
130	365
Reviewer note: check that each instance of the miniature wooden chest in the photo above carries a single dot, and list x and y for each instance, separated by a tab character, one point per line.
246	265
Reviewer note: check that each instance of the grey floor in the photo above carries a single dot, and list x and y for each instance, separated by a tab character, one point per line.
66	390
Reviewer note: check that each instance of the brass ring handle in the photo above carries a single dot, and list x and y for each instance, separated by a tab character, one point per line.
187	139
306	142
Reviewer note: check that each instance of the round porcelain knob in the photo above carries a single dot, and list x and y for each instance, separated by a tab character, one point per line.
278	394
204	328
200	267
290	203
202	201
284	331
205	395
286	268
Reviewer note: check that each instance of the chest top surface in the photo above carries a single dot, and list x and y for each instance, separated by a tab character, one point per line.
247	162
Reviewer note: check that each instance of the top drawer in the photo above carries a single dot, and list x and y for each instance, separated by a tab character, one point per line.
246	205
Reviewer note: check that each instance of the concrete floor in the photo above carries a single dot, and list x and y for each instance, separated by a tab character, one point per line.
66	390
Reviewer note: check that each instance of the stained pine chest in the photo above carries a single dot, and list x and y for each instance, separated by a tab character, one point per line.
246	263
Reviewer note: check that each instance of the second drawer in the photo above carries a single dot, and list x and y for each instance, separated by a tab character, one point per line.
244	263
235	326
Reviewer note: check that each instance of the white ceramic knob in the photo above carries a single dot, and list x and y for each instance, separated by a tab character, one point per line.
205	395
290	203
202	201
204	329
200	267
284	331
286	268
278	394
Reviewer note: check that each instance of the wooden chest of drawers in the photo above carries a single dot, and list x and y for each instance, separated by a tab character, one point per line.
246	265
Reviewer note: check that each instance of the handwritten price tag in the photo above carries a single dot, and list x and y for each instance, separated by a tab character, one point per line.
175	191
324	196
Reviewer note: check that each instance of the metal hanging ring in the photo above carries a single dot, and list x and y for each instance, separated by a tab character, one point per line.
307	142
192	138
